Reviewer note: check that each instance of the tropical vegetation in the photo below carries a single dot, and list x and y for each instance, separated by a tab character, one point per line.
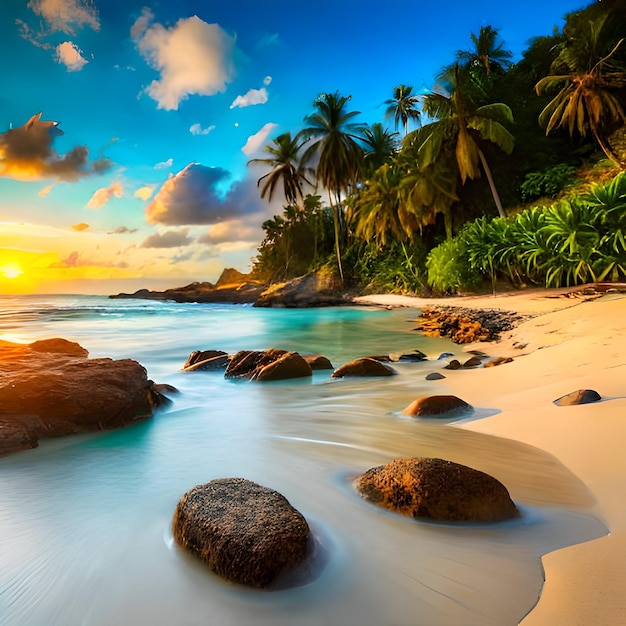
485	179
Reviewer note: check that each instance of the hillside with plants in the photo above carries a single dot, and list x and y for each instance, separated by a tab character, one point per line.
503	172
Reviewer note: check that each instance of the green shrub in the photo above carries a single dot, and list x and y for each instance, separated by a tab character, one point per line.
449	268
547	183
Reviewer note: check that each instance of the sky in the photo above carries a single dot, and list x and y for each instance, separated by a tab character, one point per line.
126	127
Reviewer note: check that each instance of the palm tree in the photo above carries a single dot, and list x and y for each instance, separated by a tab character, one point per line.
380	145
403	107
287	169
333	140
380	210
459	124
588	99
488	53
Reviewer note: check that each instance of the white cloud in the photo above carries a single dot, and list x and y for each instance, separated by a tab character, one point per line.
66	15
233	230
69	54
254	96
192	57
45	191
163	165
196	129
143	193
267	80
104	194
141	23
255	141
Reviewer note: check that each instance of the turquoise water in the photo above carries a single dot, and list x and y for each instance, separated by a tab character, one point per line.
85	521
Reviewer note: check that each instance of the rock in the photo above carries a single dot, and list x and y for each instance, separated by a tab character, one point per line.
428	406
15	436
206	360
466	325
414	356
54	390
244	532
498	361
363	367
434	376
268	365
437	489
59	346
582	396
312	290
445	355
289	365
472	362
453	365
230	277
318	362
382	358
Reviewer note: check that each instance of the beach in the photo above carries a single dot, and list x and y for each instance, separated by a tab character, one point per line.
572	342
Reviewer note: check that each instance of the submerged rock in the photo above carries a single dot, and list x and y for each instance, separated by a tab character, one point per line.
268	365
437	489
366	366
434	376
318	361
582	396
206	360
244	532
50	388
429	406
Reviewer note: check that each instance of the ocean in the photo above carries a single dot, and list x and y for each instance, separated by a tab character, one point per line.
85	520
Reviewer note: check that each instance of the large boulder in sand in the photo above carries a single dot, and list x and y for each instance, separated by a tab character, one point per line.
268	365
50	388
366	366
244	532
437	406
437	489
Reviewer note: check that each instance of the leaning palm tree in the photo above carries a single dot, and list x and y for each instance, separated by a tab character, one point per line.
460	125
488	53
380	145
589	97
332	137
403	107
287	168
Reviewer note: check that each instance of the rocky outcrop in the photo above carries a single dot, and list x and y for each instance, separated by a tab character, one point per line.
50	388
312	290
267	365
438	406
500	360
244	532
437	489
231	287
582	396
366	366
466	325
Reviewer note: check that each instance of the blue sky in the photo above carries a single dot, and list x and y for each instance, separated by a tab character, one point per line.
160	106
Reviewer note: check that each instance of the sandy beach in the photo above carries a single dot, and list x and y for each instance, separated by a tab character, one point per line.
572	342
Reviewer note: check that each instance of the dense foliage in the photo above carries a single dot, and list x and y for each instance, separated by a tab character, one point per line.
439	205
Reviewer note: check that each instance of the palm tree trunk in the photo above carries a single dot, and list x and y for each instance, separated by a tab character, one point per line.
492	186
335	210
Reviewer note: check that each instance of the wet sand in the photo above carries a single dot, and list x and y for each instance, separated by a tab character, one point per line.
572	342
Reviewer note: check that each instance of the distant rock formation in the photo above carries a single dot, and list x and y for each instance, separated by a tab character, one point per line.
231	287
244	532
312	290
50	388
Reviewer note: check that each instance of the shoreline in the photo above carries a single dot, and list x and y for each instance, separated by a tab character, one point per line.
570	342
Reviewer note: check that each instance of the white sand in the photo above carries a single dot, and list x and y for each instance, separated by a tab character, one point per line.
573	343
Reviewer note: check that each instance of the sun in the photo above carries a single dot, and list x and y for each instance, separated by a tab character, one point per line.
12	270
